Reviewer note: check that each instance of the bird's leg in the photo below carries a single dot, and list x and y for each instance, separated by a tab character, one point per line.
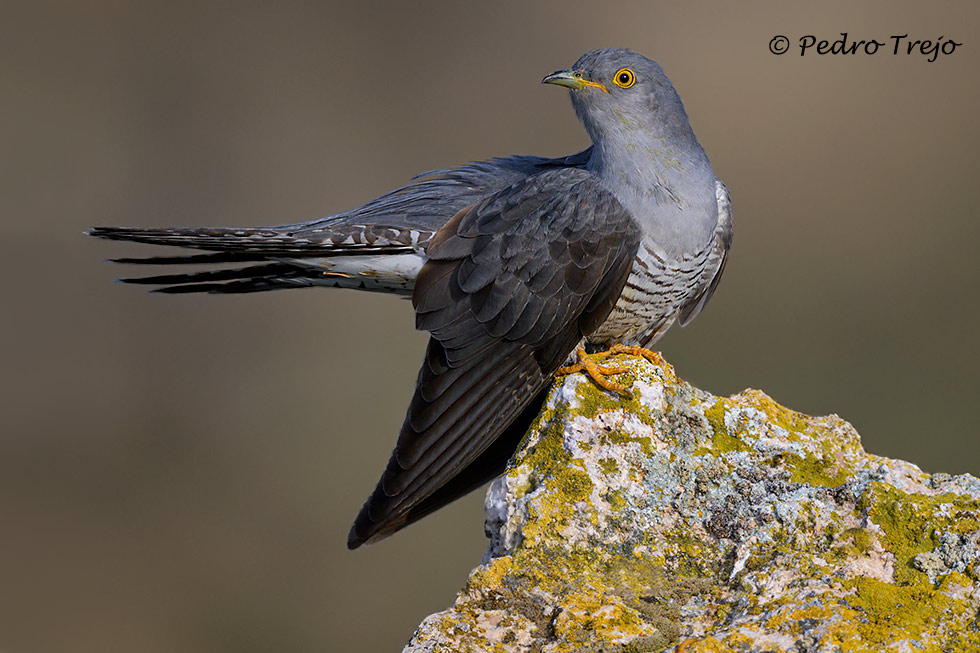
598	373
635	350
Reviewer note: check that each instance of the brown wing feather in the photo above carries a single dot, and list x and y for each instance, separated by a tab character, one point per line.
512	285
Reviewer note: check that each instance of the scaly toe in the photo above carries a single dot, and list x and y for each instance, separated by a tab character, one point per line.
635	350
586	363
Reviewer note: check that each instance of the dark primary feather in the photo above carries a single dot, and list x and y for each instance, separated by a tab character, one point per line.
498	333
487	466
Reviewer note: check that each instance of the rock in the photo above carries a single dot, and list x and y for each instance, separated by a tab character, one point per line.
676	520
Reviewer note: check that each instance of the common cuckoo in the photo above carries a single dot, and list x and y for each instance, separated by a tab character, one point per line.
513	264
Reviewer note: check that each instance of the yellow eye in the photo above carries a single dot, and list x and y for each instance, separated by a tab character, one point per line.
624	78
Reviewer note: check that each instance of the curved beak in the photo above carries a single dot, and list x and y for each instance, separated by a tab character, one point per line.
572	79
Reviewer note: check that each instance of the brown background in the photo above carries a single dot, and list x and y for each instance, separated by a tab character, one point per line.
179	473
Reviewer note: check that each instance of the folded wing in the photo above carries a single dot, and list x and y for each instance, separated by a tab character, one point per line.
511	286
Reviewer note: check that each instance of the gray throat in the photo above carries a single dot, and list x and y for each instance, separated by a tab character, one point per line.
669	190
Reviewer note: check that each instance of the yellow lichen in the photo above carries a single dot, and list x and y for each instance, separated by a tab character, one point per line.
793	422
823	471
721	440
909	523
861	538
891	608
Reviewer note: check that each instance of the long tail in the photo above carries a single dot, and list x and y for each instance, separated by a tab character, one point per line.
389	234
376	258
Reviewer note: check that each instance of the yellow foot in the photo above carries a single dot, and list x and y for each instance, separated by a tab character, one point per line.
635	350
598	373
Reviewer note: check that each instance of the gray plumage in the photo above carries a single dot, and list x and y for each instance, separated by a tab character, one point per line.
511	264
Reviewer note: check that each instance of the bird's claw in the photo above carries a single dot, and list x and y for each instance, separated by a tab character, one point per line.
598	373
635	350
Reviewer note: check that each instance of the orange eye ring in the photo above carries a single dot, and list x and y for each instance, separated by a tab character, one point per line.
624	78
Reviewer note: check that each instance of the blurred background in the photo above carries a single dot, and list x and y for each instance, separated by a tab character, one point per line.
179	473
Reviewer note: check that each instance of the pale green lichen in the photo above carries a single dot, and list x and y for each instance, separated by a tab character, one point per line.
861	538
813	470
609	465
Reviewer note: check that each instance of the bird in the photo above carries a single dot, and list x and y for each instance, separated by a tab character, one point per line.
520	268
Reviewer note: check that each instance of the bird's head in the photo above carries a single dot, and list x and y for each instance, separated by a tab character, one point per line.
617	91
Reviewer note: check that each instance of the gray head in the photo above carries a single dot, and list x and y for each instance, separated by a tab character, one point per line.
617	91
644	150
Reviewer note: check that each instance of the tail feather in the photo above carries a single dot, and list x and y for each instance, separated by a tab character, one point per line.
272	241
257	240
254	271
364	257
190	259
255	284
255	278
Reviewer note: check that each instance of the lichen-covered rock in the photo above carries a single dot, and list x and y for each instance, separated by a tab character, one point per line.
675	520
